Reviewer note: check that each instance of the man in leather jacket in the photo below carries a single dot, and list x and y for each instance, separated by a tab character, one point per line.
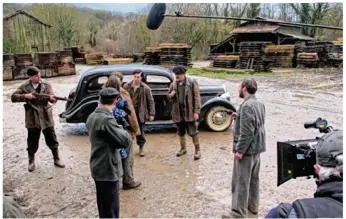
327	201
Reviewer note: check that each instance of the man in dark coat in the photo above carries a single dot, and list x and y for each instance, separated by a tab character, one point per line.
38	115
143	103
106	137
185	96
249	143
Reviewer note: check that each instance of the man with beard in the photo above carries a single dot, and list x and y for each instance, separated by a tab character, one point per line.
249	142
143	102
38	115
185	96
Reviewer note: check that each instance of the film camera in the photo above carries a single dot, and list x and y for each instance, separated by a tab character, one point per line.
297	158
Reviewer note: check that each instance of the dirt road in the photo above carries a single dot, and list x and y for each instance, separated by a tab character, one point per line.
171	186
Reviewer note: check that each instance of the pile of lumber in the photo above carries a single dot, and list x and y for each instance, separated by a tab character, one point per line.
9	64
112	61
226	61
94	59
151	56
66	65
78	54
307	60
22	62
47	62
252	55
175	54
321	50
279	55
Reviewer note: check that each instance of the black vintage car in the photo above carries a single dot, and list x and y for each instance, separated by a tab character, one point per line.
215	100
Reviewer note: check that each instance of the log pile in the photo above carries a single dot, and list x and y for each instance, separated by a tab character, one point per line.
226	61
252	55
151	56
175	54
78	54
307	60
66	64
110	61
94	59
47	62
22	62
8	66
279	55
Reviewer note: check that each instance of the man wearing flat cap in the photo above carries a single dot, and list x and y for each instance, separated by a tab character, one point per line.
186	104
328	198
38	115
106	138
143	102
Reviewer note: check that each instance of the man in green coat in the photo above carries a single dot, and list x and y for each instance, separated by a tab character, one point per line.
249	141
106	137
186	104
38	115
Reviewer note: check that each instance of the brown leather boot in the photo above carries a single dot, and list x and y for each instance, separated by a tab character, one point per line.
141	151
182	141
57	161
132	185
195	140
31	166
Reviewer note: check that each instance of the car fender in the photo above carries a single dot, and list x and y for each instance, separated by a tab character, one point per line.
79	109
216	101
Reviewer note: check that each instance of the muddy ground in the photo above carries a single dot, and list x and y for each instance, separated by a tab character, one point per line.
171	186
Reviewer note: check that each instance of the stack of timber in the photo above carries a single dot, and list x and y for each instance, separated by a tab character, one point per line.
226	61
151	56
22	62
9	64
252	55
175	54
66	64
47	62
94	59
321	50
310	60
78	54
112	61
279	55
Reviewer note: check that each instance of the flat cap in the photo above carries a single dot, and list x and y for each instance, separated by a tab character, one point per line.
328	148
179	69
108	93
32	70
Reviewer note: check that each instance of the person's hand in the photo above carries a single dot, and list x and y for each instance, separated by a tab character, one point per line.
137	133
196	116
29	96
234	116
52	98
239	156
151	118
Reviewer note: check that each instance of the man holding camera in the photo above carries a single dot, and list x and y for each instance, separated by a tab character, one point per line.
249	142
328	198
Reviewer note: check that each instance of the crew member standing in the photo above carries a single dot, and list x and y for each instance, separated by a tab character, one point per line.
106	137
38	115
249	143
184	93
143	103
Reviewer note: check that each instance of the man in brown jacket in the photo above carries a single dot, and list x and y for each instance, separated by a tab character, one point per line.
143	103
184	93
38	115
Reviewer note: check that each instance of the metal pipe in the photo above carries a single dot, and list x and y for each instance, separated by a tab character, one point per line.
252	19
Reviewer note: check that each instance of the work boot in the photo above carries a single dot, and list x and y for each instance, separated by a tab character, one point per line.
132	185
182	146
57	161
31	166
141	151
252	215
195	140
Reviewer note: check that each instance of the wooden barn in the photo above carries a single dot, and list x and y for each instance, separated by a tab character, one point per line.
252	31
23	33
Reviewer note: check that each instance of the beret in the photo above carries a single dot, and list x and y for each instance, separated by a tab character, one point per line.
32	70
179	69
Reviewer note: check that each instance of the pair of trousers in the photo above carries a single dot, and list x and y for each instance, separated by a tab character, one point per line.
140	138
107	194
190	127
127	165
34	138
245	185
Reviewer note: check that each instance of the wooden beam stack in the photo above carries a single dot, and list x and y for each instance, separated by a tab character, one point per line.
175	54
151	56
22	62
310	60
8	65
320	50
252	55
226	61
47	62
279	55
66	64
94	59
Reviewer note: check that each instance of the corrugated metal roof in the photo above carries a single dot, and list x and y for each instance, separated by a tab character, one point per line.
297	36
255	29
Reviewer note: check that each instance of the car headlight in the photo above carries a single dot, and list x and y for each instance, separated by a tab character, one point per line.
226	96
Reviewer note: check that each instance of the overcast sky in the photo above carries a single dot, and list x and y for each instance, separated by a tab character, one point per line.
121	7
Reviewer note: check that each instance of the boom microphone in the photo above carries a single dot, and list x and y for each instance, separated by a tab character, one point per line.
156	16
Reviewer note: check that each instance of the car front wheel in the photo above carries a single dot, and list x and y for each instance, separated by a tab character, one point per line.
217	119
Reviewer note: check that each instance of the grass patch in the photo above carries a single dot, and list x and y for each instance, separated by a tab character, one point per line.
225	74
